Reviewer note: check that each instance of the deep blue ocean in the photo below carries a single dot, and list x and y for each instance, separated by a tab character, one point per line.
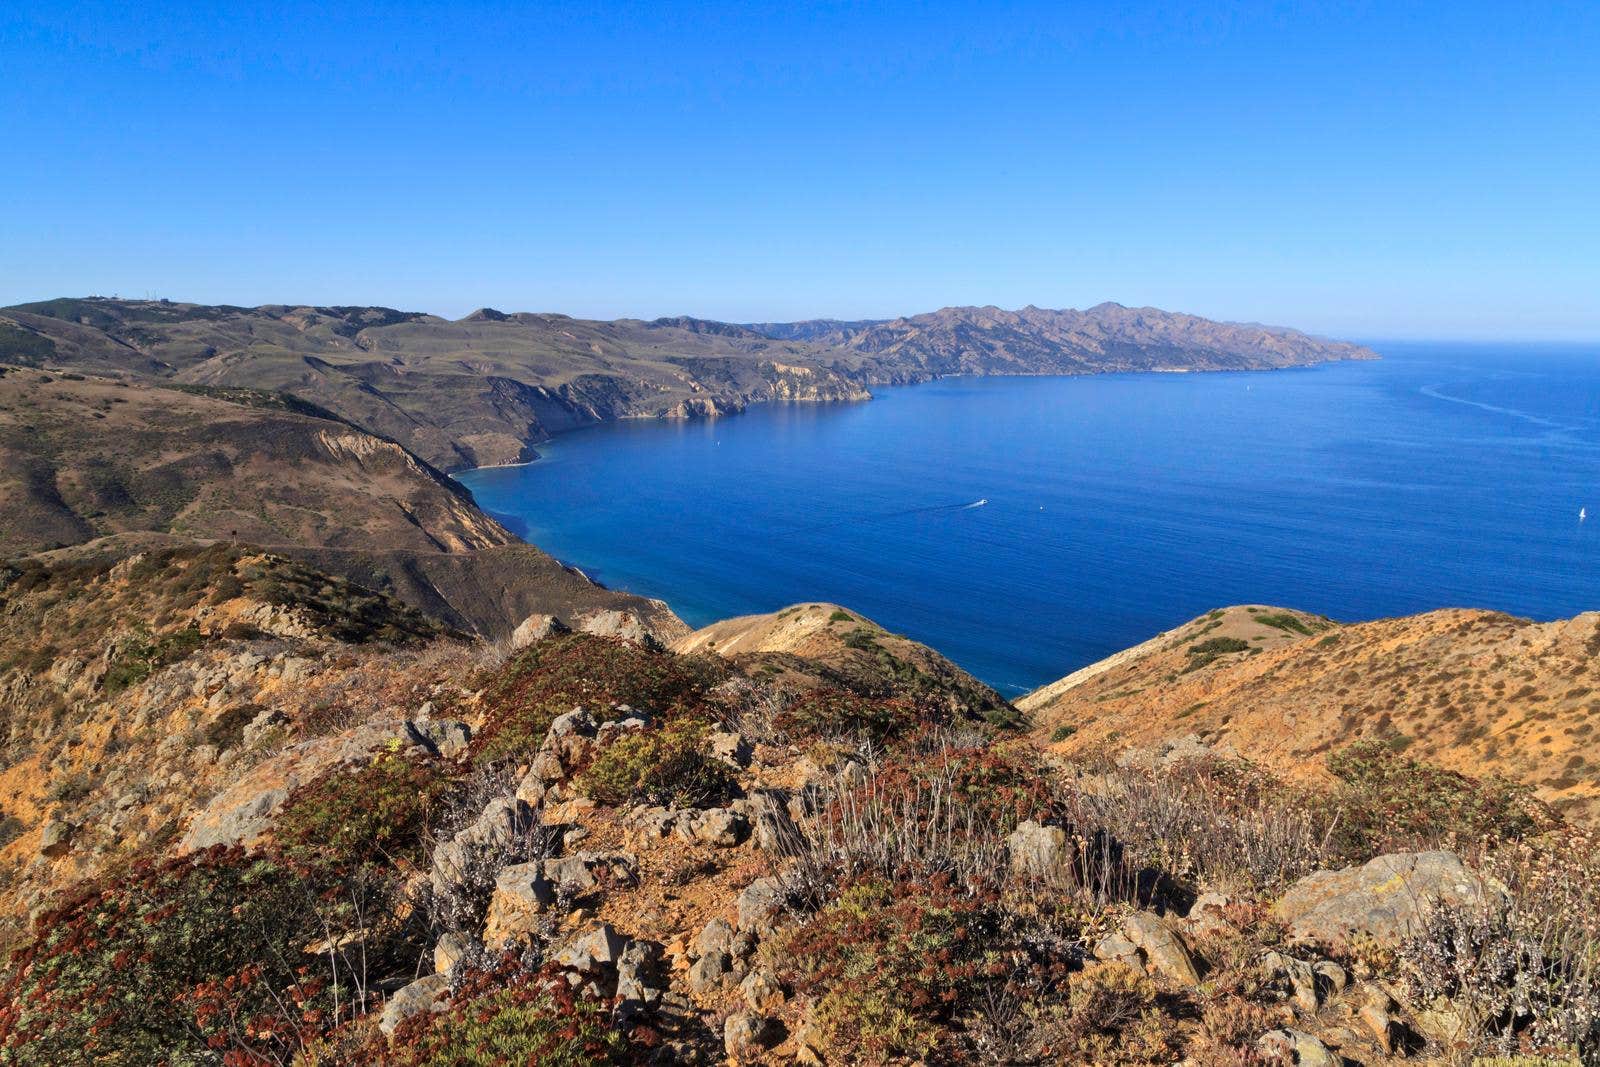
1117	506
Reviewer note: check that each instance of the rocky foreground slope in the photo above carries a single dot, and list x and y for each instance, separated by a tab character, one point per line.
1477	692
256	814
483	389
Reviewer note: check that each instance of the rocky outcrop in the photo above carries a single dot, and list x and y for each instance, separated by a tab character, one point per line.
1382	901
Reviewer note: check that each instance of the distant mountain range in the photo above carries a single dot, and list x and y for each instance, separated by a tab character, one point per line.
485	388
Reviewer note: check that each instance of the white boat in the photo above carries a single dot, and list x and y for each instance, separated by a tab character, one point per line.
1583	513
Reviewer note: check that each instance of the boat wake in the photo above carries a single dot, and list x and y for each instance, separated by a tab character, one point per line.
883	516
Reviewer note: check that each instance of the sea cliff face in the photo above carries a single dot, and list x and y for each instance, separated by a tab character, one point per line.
482	390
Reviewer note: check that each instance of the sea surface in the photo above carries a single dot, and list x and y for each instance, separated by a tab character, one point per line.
1028	526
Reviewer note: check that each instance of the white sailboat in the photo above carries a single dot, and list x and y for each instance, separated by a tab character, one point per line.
1583	513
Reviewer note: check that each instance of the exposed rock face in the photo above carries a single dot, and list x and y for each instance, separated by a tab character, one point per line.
1383	900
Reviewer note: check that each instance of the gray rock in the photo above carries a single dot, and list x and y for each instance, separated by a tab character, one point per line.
56	840
762	991
718	827
599	947
1163	952
1302	978
760	904
746	1034
639	973
445	738
1384	901
522	894
717	936
536	628
575	723
1037	850
711	972
1298	1047
425	994
585	872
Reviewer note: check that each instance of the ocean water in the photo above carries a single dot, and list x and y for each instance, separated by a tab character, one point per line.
1113	507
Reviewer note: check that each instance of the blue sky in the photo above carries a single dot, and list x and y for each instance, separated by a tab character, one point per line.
1369	170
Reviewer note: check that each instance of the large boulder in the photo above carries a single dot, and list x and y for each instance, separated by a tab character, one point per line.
536	628
1037	850
625	625
1383	901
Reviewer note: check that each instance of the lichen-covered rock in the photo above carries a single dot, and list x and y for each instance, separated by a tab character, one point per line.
1163	952
746	1034
425	994
1037	850
1297	1047
522	895
536	628
760	904
1383	901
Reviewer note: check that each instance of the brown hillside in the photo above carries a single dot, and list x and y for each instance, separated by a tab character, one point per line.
481	390
845	649
1474	691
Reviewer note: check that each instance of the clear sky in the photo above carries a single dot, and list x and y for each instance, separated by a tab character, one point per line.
1363	169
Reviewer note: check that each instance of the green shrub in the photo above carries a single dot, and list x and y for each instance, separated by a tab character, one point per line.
1202	653
140	656
839	715
841	616
528	1019
1389	801
667	765
354	815
189	960
890	963
560	673
1061	733
1287	622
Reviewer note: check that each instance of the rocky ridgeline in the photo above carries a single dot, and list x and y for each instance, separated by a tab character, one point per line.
603	851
